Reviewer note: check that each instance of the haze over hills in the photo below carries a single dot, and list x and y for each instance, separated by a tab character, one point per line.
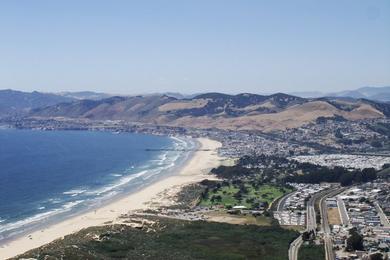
14	102
373	93
85	95
236	112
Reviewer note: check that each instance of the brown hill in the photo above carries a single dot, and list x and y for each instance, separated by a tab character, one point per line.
236	112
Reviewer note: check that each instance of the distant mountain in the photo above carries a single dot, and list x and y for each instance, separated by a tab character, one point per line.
352	94
137	108
85	95
308	94
176	95
15	102
373	93
216	110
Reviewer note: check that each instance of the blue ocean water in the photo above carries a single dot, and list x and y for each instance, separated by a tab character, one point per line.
49	174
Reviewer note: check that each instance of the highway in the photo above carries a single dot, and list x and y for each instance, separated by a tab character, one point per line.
311	222
294	248
311	214
328	243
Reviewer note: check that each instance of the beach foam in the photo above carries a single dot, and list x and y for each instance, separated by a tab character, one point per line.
89	197
193	170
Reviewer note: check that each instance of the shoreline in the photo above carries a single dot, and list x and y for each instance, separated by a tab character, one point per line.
193	170
150	172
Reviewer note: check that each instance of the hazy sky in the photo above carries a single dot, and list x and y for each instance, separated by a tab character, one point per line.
194	46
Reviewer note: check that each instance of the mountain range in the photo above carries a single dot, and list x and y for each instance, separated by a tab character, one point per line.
210	110
373	93
14	102
216	110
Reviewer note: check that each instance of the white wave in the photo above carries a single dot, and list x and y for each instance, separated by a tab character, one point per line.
162	158
55	200
164	162
74	192
116	175
108	195
39	217
27	221
117	184
179	141
71	204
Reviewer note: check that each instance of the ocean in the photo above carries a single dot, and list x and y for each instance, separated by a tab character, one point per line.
46	176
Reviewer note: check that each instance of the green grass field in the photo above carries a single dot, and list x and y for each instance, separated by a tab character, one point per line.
250	196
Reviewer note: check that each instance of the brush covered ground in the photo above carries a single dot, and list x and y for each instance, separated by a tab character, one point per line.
311	252
216	110
163	238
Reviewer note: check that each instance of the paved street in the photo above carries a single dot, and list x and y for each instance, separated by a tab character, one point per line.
325	223
311	223
343	212
384	220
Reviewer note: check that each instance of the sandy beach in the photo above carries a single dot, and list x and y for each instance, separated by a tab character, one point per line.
194	170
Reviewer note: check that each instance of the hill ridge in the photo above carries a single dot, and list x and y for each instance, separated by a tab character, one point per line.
244	111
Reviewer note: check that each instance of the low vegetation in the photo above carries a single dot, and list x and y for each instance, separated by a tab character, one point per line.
311	252
189	196
171	239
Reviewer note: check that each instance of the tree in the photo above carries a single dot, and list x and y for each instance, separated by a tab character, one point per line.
217	198
369	174
346	179
376	144
376	256
354	241
385	166
362	199
338	134
238	195
308	235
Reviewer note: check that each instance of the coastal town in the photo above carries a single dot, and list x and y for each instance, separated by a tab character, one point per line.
195	130
347	222
329	137
360	212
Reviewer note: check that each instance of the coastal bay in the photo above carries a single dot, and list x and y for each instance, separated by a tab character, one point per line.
194	169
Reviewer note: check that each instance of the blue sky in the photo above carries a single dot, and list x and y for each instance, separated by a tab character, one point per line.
133	47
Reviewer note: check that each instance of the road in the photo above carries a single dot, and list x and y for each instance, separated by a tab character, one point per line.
294	248
382	215
311	222
296	244
281	205
343	212
328	243
282	201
